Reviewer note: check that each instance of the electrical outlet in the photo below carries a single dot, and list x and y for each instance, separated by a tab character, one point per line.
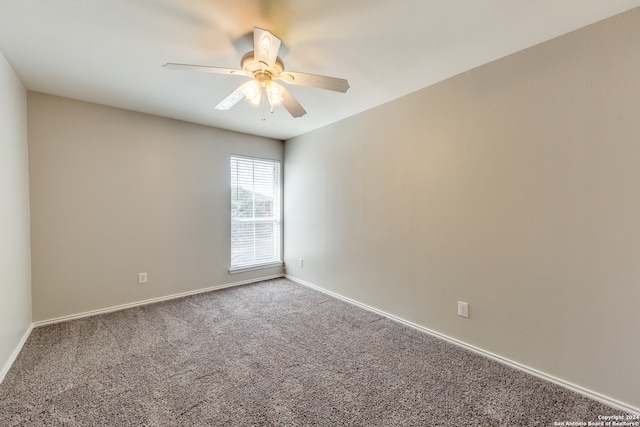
301	263
463	309
142	278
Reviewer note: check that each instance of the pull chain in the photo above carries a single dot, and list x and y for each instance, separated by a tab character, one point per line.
263	102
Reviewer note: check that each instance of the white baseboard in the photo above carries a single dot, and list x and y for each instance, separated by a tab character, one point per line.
14	355
566	384
149	301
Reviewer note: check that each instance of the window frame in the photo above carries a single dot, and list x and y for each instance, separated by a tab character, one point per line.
276	261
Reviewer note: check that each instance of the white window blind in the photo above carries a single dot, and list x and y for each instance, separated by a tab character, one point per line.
255	212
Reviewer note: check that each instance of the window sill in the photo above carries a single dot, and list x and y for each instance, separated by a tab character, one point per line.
234	270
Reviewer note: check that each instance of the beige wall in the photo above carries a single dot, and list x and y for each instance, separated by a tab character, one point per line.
514	187
115	193
15	258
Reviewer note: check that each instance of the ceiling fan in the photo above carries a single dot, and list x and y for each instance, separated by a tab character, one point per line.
264	66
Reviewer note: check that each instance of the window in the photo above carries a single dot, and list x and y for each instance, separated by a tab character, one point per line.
255	213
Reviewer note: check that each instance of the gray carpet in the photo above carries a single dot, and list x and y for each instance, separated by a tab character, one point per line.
273	353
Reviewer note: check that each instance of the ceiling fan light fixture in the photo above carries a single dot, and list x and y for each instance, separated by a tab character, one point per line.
253	92
275	93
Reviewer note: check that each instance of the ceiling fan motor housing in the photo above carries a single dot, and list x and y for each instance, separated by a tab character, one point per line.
260	70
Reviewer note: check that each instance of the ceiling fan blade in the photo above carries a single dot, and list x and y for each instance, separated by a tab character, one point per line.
203	68
265	47
291	104
232	99
313	80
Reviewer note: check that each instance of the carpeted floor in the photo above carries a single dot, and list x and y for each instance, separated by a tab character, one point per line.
273	353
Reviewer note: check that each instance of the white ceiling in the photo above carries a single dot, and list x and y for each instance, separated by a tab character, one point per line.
111	51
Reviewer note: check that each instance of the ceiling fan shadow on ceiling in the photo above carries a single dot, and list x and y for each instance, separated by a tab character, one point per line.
264	66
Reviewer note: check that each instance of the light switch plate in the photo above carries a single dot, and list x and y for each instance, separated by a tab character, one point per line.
463	309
